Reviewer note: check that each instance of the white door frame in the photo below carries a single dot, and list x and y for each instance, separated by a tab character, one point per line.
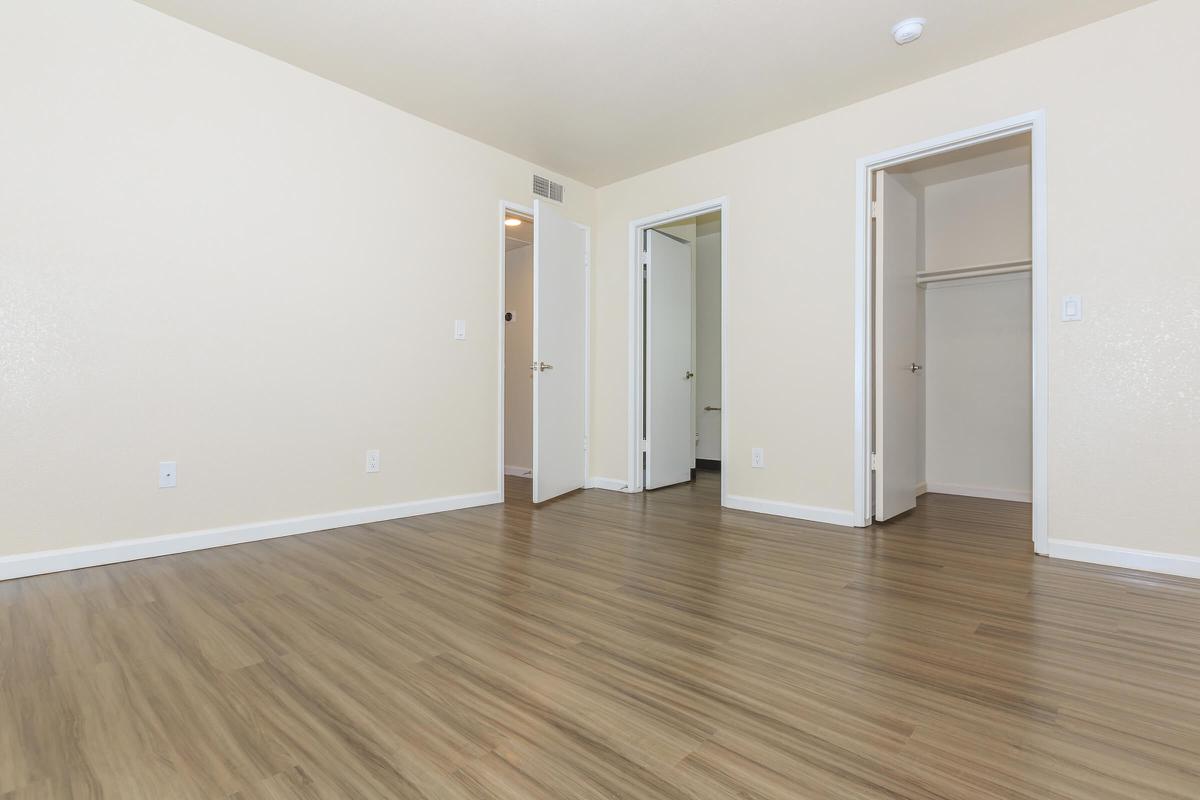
527	211
1033	123
637	328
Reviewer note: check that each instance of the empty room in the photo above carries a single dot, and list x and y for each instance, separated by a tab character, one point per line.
589	400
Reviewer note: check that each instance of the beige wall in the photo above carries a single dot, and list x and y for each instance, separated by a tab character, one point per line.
983	219
518	355
1124	412
210	256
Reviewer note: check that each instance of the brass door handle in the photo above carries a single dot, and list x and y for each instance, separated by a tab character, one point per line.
541	366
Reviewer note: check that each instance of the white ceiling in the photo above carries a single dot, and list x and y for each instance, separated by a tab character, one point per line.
599	91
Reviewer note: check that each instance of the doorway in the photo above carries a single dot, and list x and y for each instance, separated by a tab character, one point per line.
518	345
677	406
543	353
951	378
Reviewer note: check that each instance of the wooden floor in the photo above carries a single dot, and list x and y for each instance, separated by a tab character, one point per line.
607	646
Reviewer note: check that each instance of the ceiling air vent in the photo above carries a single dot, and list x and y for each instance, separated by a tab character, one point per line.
544	187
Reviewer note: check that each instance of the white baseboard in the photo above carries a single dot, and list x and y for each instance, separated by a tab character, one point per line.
520	472
1169	563
833	516
1019	495
611	484
922	488
24	564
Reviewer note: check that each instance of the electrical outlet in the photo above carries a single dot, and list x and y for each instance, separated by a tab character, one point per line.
166	475
372	461
756	458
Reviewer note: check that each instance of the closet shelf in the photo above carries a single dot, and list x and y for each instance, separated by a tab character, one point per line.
1001	268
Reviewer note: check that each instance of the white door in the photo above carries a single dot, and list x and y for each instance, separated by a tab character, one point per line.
559	320
670	434
896	369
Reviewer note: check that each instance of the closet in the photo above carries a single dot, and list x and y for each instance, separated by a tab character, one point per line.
953	294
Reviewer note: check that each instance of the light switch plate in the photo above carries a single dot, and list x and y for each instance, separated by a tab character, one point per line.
756	458
1072	308
167	476
460	329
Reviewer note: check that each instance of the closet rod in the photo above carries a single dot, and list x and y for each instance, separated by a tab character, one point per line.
1003	268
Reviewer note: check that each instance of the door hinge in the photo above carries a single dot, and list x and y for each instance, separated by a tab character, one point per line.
645	447
874	462
585	444
874	209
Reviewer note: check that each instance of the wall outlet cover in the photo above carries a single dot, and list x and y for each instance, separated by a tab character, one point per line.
372	461
167	475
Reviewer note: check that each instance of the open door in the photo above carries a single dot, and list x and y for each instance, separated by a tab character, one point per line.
896	343
559	319
670	437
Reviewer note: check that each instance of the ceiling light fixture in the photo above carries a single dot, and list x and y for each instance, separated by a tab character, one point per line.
512	222
908	30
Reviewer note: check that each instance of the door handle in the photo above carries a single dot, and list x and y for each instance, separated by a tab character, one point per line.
915	367
540	366
687	376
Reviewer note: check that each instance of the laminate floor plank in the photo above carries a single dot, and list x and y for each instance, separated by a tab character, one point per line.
606	645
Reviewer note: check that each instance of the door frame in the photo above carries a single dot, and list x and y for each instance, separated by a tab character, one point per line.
527	211
637	328
1033	123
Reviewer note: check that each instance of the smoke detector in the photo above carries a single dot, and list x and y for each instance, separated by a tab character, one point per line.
908	30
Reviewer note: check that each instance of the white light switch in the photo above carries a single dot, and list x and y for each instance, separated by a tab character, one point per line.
460	329
166	474
1072	308
756	458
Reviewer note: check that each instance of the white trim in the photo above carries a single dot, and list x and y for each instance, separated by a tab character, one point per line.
1019	495
505	207
519	472
24	564
1041	335
974	280
922	488
587	351
1169	563
637	327
832	516
1033	123
610	484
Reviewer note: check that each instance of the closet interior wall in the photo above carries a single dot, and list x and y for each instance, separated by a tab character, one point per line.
974	331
